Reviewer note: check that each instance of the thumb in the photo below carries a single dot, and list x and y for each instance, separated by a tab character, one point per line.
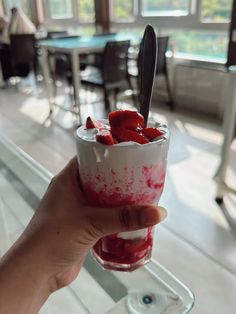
126	218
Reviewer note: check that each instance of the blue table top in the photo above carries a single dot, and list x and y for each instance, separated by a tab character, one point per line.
89	41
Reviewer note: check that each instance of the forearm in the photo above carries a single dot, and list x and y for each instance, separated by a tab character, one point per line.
24	281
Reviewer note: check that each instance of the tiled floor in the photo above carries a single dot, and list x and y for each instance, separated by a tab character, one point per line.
196	242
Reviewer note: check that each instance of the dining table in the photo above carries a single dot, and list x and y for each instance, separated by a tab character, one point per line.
74	47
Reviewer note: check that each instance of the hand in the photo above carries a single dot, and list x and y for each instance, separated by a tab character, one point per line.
65	227
69	227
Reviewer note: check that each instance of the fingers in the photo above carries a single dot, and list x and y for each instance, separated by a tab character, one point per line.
127	218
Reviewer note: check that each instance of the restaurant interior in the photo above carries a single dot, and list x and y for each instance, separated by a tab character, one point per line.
64	60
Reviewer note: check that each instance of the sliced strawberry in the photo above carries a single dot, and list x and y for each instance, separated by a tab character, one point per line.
124	135
126	119
92	124
152	133
105	137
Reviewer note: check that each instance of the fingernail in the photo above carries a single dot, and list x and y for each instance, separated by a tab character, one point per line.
162	213
152	215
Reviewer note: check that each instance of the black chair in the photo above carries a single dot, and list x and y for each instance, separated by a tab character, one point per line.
23	54
5	60
112	76
95	58
161	68
56	34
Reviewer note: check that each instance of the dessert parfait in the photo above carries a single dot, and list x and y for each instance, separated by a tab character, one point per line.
122	162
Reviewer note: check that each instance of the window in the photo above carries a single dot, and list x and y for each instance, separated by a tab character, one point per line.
122	10
216	11
23	4
165	7
86	11
60	9
191	43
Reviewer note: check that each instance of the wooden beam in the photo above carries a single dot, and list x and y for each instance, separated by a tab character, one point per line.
102	16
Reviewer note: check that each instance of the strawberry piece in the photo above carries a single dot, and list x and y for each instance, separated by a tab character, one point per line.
92	124
105	137
124	135
152	133
126	119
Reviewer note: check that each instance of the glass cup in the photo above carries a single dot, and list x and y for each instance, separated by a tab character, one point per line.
123	174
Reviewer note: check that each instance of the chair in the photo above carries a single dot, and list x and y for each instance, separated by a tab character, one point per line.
112	76
23	54
95	58
161	67
5	61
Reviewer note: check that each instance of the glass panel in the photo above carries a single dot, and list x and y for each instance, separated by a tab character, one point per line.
86	11
216	10
165	7
215	43
122	10
23	4
60	9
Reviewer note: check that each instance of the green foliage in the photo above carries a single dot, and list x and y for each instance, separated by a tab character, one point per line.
165	5
86	10
123	9
216	10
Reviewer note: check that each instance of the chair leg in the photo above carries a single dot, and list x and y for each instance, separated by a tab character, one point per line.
106	99
116	90
135	99
171	100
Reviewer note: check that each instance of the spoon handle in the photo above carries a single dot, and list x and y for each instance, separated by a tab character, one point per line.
147	69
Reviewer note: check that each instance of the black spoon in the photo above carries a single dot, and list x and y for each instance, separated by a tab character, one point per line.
147	69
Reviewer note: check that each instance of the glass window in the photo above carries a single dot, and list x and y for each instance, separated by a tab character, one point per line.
60	9
122	10
216	10
165	7
190	43
23	4
86	11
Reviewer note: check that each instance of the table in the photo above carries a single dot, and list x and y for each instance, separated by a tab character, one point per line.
74	47
229	123
96	291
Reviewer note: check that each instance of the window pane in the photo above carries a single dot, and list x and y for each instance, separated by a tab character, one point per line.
190	43
60	9
122	10
216	10
165	7
23	4
86	10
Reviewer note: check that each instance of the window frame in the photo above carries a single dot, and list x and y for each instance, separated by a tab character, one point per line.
74	20
190	21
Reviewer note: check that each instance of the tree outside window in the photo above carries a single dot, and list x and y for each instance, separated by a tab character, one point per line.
165	7
60	9
216	10
86	10
122	10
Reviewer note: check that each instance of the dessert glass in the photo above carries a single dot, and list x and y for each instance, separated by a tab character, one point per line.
122	174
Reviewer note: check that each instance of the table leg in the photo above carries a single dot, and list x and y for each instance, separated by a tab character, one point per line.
228	131
76	80
47	79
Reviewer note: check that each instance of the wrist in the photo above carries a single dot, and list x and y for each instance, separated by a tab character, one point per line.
25	278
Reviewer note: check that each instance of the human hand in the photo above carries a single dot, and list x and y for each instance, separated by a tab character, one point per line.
65	227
